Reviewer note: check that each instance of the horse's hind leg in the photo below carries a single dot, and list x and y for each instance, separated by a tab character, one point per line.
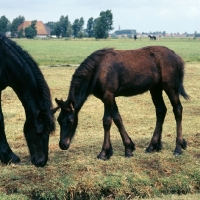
6	154
128	144
177	109
155	144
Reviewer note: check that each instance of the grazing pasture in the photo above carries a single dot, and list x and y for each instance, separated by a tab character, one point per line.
77	173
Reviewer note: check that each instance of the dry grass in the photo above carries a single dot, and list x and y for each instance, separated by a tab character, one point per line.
77	174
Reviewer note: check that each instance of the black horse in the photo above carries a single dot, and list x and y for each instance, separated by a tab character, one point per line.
20	72
152	37
109	73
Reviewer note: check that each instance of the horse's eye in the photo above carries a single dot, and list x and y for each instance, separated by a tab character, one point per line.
70	121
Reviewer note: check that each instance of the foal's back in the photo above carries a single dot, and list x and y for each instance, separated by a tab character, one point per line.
131	72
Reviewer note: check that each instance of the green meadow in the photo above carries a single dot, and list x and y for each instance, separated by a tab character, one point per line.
72	52
77	173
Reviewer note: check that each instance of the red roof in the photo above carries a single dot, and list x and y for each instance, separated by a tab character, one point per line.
41	28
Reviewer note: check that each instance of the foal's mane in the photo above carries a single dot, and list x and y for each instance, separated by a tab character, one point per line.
9	48
85	74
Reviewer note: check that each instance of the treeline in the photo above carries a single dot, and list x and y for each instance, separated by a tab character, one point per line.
97	28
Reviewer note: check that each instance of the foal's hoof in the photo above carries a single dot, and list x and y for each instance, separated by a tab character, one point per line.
177	153
155	147
105	155
184	144
129	149
129	156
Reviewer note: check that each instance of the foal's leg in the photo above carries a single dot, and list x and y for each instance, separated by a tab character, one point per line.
106	151
155	144
177	109
128	144
6	154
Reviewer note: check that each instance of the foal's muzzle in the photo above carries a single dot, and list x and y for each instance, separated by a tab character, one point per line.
64	144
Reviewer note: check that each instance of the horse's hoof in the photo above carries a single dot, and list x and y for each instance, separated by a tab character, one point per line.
15	159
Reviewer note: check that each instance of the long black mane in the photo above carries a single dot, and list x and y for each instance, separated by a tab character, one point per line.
83	78
20	60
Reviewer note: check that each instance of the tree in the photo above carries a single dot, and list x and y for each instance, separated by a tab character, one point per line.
4	22
61	28
57	30
103	24
20	33
90	27
69	31
64	26
78	27
15	23
30	31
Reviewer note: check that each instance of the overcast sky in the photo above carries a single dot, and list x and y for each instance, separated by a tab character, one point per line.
172	16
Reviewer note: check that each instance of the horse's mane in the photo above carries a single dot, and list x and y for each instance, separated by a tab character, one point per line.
24	59
82	78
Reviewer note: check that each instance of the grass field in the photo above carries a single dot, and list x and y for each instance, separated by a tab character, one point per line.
76	173
72	52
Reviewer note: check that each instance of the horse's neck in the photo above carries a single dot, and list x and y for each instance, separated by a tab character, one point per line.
28	99
27	92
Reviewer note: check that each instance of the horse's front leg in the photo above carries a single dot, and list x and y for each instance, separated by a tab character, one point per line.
6	154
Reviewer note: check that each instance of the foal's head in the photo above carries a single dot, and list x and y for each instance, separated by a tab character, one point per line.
68	121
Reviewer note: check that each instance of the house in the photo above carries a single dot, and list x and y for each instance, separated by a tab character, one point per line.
42	30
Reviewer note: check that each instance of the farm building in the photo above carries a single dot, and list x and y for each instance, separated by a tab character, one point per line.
42	29
125	33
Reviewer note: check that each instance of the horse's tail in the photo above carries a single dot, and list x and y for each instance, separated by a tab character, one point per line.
182	91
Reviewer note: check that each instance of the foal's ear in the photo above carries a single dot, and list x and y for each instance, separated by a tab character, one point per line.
53	110
62	104
59	102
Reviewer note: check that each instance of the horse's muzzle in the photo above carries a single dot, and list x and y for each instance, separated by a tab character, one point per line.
39	162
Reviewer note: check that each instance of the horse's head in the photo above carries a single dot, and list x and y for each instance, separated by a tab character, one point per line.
37	128
68	121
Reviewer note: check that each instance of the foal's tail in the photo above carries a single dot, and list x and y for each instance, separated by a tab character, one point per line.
182	91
